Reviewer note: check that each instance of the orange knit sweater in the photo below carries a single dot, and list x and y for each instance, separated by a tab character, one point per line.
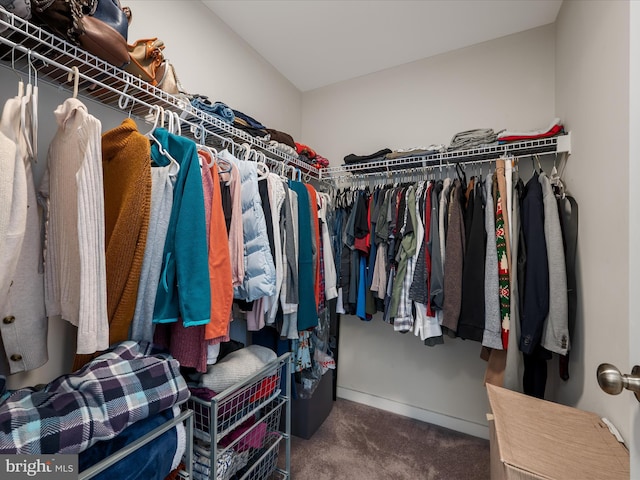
126	164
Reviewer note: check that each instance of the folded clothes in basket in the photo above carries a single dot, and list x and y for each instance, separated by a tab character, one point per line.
236	406
236	367
226	465
253	439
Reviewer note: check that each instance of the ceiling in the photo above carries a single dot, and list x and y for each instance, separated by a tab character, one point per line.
315	43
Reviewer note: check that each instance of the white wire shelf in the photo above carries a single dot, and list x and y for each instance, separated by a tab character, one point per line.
24	45
560	144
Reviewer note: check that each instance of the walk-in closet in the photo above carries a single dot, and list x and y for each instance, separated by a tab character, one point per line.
292	240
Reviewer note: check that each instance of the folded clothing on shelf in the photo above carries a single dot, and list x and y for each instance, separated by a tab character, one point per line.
473	138
553	130
250	125
281	137
416	151
305	150
247	120
217	109
372	157
283	147
304	158
320	162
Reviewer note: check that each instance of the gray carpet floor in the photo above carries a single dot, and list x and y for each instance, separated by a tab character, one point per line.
360	442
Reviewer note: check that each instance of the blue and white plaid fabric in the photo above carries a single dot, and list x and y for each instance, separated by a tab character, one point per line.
74	411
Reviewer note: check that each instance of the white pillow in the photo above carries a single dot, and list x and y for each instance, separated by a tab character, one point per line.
236	366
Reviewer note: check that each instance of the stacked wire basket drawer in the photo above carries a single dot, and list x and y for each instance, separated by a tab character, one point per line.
238	434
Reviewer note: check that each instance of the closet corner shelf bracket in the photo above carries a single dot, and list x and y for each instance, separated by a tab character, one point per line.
107	84
559	144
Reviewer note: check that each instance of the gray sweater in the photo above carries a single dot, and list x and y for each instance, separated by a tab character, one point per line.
555	335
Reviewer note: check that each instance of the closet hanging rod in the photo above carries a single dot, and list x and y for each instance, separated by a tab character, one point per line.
399	174
33	37
224	141
560	144
67	69
57	54
129	98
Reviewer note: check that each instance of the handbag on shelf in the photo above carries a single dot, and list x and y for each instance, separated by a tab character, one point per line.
113	14
98	26
146	60
170	83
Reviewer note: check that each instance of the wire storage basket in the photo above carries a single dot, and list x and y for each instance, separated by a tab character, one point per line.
238	432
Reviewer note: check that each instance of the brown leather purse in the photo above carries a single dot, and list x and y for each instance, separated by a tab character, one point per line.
146	60
90	24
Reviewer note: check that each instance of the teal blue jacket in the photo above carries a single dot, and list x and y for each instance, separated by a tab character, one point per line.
307	313
183	290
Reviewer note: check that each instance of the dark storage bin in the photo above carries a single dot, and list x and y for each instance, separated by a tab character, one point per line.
308	414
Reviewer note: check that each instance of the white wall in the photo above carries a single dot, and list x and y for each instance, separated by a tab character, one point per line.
592	96
504	83
633	439
211	60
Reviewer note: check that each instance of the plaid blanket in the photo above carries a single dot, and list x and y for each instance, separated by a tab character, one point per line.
74	411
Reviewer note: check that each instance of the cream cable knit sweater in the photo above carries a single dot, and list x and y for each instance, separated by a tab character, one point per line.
75	272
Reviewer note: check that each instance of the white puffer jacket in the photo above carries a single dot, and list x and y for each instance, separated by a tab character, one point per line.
260	271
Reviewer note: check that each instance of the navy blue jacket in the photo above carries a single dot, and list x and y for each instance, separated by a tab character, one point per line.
535	304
